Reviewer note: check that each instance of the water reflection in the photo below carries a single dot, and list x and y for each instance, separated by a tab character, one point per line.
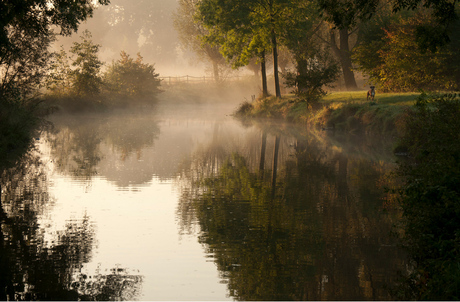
284	214
310	224
32	267
117	285
38	261
109	146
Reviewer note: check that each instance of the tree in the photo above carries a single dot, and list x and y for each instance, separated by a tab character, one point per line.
247	27
58	81
396	49
314	67
38	17
23	63
27	27
26	30
132	78
86	75
240	40
191	32
444	14
344	16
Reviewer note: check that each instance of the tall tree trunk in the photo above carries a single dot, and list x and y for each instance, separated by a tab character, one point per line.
275	64
344	55
215	70
302	66
263	70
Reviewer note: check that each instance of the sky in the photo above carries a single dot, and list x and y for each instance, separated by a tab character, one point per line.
144	26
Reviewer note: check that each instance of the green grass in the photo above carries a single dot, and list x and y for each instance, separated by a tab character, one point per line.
348	111
403	99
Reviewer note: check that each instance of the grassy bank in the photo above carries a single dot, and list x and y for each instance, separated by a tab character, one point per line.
348	111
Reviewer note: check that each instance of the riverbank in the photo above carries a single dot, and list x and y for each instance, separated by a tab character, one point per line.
347	111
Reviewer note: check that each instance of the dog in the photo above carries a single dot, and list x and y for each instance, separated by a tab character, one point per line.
371	93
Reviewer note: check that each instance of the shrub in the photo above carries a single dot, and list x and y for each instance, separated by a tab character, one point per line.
244	109
132	79
430	198
312	76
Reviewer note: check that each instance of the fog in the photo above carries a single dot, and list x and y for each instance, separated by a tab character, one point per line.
144	26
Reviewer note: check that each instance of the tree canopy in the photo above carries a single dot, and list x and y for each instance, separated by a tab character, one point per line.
26	30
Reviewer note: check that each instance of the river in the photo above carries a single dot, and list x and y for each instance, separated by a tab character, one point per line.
187	203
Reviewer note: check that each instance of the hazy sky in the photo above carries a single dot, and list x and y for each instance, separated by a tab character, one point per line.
144	26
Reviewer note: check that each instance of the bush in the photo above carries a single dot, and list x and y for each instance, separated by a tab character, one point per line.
132	79
244	109
430	198
310	79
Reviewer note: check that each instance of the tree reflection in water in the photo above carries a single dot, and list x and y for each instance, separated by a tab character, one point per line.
77	144
32	267
119	285
315	230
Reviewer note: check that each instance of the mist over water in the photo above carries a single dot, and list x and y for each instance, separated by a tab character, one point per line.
178	200
177	203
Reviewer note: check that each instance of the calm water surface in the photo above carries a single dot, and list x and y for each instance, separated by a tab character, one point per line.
194	205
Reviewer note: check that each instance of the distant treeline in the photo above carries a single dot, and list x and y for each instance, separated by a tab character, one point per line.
77	80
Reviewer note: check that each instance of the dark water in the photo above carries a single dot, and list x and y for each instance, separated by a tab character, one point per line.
194	205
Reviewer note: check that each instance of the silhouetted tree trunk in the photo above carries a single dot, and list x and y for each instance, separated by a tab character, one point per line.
302	69
263	70
344	54
275	64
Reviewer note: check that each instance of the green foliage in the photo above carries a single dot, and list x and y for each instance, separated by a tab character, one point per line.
76	83
246	29
244	109
311	77
346	14
26	31
390	61
22	64
443	14
192	31
59	81
233	28
86	79
430	198
314	66
37	18
132	79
